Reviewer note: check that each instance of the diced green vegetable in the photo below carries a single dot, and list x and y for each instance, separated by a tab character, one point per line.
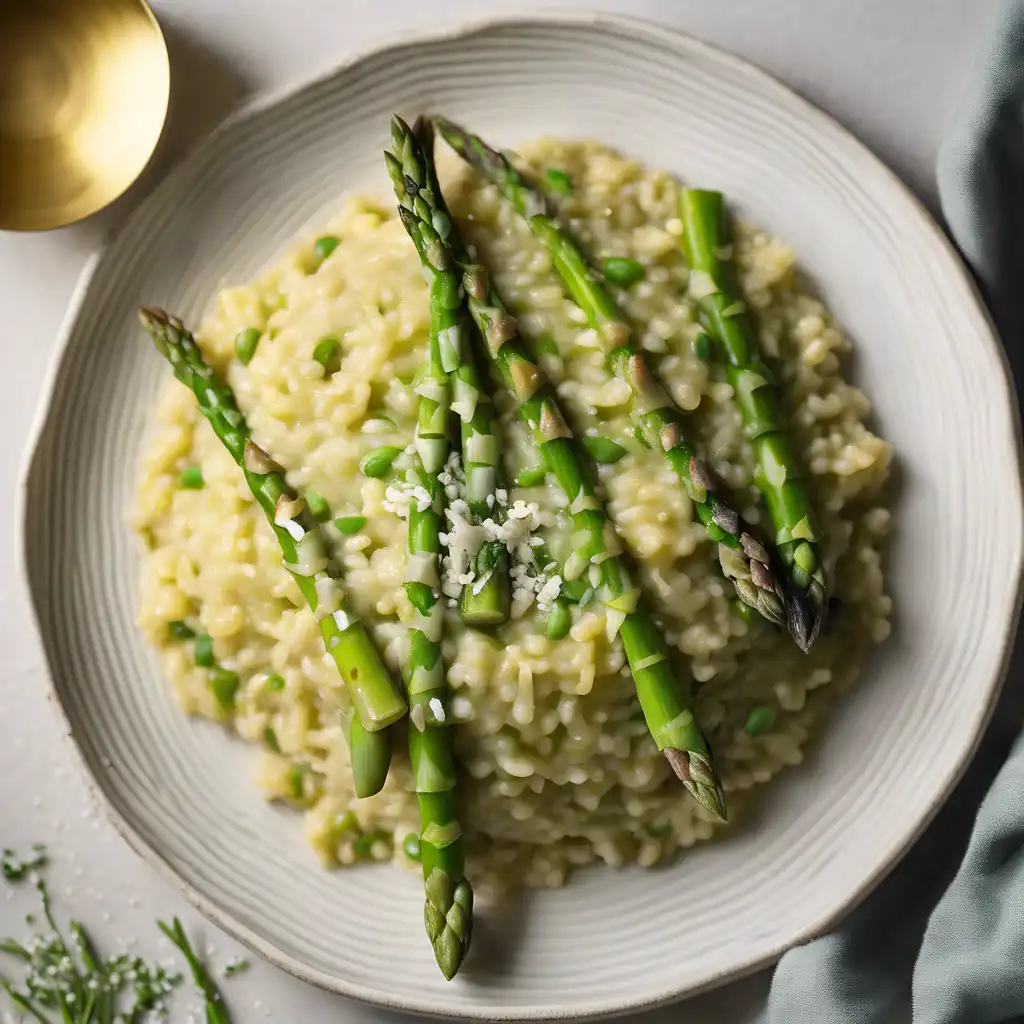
573	590
350	524
203	650
744	611
532	477
274	682
559	181
658	829
224	685
378	462
191	479
559	620
760	721
323	247
603	450
317	504
297	780
640	439
363	846
545	345
246	341
270	738
411	847
345	822
702	347
623	271
421	597
328	354
180	630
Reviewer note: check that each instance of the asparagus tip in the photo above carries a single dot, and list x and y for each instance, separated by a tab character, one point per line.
803	624
150	317
448	916
697	774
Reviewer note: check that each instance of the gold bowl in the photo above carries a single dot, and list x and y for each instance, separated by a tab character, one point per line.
84	87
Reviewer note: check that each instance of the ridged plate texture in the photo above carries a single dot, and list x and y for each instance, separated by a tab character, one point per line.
927	356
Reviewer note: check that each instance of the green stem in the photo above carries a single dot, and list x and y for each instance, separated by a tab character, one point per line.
411	167
707	243
374	697
449	898
216	1011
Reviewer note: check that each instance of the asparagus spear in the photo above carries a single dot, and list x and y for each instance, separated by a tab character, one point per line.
743	558
375	700
416	188
448	907
779	474
664	694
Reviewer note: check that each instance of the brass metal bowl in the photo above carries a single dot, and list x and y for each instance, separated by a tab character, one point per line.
84	87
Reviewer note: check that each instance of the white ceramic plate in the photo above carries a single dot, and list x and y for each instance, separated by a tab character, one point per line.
927	356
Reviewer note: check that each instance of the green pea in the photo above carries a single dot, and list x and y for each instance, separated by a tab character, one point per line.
545	345
573	590
181	630
559	620
702	347
603	450
328	354
760	721
192	479
345	822
245	344
378	462
658	829
350	524
559	181
270	738
532	477
317	504
204	650
323	247
421	597
363	846
297	780
411	847
744	611
224	685
274	682
623	271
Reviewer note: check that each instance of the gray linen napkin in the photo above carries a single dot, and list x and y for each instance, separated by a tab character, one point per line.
942	940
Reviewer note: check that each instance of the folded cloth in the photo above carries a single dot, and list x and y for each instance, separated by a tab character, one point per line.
942	939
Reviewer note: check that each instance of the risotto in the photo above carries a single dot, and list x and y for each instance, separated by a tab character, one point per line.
559	767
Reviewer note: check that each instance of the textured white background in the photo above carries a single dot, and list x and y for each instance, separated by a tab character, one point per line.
891	70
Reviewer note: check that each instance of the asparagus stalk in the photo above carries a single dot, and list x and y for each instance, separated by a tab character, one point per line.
449	898
743	559
664	694
779	475
486	601
375	700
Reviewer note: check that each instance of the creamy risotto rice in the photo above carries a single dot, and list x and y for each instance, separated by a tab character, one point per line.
559	767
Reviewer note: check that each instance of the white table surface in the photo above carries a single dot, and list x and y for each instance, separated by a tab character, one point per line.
891	70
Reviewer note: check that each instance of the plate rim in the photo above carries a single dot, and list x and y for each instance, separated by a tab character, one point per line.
265	99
